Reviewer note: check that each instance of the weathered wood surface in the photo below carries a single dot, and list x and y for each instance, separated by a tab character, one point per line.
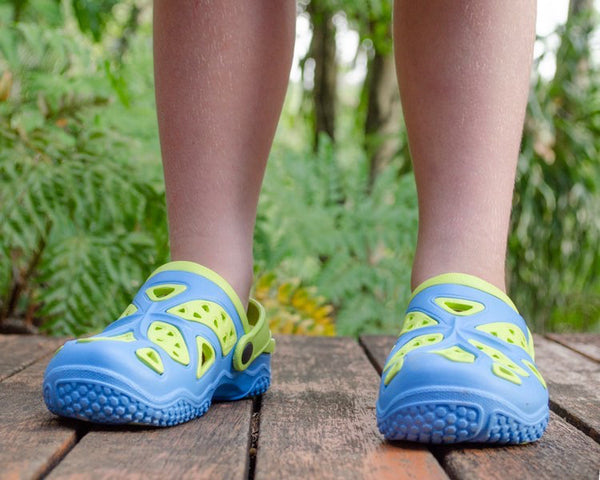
19	351
212	447
574	385
31	438
377	348
587	344
316	421
563	452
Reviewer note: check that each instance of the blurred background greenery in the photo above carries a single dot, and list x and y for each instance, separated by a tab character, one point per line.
82	216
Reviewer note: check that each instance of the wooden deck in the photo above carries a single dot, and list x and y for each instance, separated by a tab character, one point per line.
316	422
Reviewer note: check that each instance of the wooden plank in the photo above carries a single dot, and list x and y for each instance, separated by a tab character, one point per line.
318	419
19	351
563	451
31	438
214	446
573	383
378	348
573	380
587	344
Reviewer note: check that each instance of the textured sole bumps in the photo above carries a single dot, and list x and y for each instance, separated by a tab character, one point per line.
442	423
261	386
99	403
104	404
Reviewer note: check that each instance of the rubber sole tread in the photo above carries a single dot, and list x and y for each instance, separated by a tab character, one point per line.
105	404
438	423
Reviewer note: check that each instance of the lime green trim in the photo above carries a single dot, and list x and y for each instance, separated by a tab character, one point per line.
506	373
213	316
59	349
507	332
213	276
164	291
130	310
394	364
393	370
530	348
255	325
257	341
206	356
456	354
499	357
415	320
535	372
124	337
468	281
170	339
459	306
151	358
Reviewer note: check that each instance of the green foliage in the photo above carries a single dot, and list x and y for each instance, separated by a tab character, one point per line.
92	15
372	20
44	11
554	255
81	218
318	221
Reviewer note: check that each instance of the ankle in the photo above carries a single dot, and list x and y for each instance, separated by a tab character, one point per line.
418	277
429	266
237	272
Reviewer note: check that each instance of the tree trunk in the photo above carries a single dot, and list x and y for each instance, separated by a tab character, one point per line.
18	7
572	61
322	50
384	114
129	30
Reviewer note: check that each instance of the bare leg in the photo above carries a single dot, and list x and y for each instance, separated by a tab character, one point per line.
463	68
221	70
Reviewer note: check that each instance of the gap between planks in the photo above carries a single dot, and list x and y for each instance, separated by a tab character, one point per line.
254	436
563	452
33	440
573	379
18	352
37	444
318	419
387	453
585	344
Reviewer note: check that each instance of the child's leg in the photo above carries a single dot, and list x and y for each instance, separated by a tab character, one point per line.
222	70
462	369
187	338
463	69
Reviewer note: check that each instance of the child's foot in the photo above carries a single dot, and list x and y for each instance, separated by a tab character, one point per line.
462	369
183	342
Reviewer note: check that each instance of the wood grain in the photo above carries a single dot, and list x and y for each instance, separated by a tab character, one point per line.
214	446
19	351
377	348
318	419
587	344
563	451
31	438
573	380
574	385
